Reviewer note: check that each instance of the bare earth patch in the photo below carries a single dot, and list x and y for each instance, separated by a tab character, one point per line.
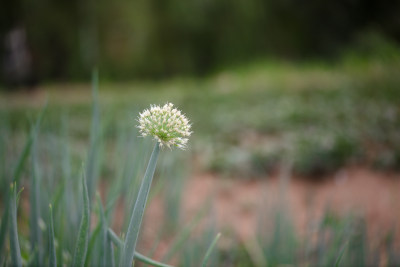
237	204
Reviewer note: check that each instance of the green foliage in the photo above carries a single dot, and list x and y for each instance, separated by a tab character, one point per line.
138	211
246	122
52	247
314	156
210	250
154	39
81	246
16	259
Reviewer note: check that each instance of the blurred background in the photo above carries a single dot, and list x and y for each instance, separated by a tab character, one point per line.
63	40
295	156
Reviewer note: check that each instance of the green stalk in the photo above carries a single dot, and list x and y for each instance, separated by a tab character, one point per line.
16	176
118	242
36	236
92	242
340	256
147	260
83	235
93	153
16	259
52	248
210	249
115	239
184	234
106	255
128	251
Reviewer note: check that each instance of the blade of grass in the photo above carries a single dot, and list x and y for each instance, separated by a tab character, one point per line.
255	252
16	176
340	256
22	158
210	249
36	236
28	145
128	250
106	252
184	235
92	243
118	242
115	239
52	248
16	259
83	234
147	260
92	160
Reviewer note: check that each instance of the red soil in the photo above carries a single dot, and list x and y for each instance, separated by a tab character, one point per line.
237	204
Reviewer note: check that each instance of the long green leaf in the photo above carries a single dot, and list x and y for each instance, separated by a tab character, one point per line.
115	239
16	176
24	155
184	234
52	248
92	242
147	260
210	249
340	256
118	242
83	234
92	160
106	242
16	259
36	236
128	251
28	145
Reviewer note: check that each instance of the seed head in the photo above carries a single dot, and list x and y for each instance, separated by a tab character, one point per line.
166	124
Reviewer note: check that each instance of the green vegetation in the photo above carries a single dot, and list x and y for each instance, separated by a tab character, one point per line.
159	39
248	120
316	118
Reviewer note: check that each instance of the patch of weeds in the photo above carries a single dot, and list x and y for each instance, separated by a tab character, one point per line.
388	160
265	162
321	154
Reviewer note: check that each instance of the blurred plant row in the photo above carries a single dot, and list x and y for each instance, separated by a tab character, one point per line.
249	120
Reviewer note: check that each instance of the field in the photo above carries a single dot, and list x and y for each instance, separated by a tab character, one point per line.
295	164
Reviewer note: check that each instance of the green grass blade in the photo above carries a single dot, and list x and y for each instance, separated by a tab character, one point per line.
15	178
52	248
118	242
183	236
93	238
147	260
21	161
115	239
92	160
128	251
16	259
81	246
210	249
340	256
105	240
36	235
92	242
27	148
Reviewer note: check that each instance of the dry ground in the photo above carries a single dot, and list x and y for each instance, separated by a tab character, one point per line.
237	204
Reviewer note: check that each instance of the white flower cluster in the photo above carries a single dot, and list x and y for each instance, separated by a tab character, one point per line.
166	124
